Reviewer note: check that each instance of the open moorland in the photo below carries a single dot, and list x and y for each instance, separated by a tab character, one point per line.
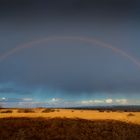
133	117
68	124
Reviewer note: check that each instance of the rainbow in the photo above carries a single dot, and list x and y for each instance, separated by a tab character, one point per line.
83	39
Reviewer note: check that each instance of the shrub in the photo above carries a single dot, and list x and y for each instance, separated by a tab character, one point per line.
120	111
48	110
108	111
101	110
26	111
130	115
6	111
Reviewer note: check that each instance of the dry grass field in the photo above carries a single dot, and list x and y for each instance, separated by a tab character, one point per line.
68	124
133	117
66	129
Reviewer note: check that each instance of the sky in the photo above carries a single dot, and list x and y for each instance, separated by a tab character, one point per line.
64	53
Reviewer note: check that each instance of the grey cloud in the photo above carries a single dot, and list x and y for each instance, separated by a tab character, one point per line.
74	69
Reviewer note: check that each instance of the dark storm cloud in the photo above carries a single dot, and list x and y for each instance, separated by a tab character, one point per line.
69	7
71	69
63	67
8	90
15	90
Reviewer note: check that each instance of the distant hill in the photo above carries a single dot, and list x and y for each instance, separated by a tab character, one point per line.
127	108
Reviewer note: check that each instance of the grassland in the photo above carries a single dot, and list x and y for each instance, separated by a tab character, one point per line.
68	124
69	113
66	129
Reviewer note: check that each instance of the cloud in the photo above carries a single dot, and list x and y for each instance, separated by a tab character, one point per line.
91	102
98	101
56	99
71	66
121	101
27	99
109	101
4	99
60	102
12	88
16	102
9	90
106	101
68	69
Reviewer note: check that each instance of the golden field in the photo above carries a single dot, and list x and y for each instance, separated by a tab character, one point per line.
71	113
68	124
